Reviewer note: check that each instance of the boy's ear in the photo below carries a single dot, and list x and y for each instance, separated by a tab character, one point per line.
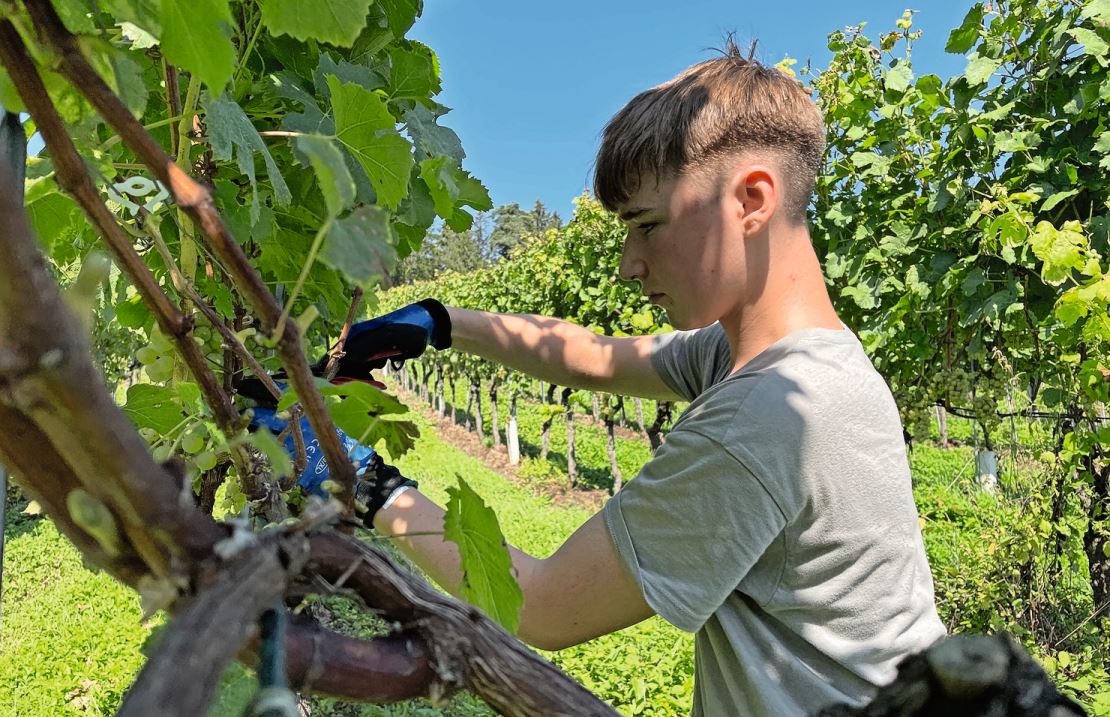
754	190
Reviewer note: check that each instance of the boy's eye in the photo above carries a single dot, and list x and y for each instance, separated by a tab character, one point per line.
647	227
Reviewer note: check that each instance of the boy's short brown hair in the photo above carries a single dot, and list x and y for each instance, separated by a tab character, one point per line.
715	109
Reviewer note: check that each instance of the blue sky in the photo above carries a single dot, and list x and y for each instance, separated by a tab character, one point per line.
532	84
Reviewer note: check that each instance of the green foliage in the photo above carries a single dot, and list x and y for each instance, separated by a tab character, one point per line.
487	567
335	180
964	228
338	22
193	35
366	128
71	637
360	246
231	133
154	407
264	90
960	220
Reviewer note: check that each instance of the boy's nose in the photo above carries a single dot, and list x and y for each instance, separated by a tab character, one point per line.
631	267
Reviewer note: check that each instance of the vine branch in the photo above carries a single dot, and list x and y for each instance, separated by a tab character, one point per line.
467	648
73	176
197	202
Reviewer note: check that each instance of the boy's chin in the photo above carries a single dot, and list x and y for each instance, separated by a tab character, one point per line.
687	323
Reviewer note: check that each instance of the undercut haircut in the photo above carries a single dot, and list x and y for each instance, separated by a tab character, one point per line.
715	110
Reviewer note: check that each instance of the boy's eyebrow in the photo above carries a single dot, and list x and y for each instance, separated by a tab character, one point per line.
632	213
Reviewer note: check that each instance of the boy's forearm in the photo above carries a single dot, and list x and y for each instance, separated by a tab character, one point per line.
416	525
550	349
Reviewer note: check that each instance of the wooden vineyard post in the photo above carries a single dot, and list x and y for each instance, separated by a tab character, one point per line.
494	418
612	406
511	435
476	387
441	407
662	416
572	459
548	419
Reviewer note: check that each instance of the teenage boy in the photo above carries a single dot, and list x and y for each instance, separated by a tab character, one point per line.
776	522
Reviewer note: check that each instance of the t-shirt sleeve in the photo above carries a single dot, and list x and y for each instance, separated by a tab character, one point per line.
690	361
691	525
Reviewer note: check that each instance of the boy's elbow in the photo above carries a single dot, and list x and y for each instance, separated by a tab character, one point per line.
542	640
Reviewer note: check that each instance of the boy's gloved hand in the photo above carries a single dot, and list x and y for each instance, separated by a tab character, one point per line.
316	466
398	335
377	481
379	486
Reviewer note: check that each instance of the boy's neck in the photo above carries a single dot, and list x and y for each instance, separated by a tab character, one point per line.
793	297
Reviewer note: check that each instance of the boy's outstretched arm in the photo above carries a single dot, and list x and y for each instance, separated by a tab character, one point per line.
560	352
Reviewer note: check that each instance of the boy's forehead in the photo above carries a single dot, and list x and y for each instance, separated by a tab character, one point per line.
648	192
668	193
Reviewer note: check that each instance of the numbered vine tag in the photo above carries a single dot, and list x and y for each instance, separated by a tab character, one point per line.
138	187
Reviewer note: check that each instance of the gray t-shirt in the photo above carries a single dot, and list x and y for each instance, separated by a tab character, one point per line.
777	523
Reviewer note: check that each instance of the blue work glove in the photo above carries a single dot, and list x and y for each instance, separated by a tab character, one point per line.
378	481
316	467
402	334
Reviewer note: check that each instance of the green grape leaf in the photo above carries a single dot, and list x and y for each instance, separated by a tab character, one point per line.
338	22
194	37
1102	144
359	415
430	138
126	78
190	395
419	210
1058	197
331	170
51	213
452	187
979	69
401	14
143	14
360	246
414	73
231	133
1070	308
1093	44
9	96
365	126
138	38
360	75
280	463
964	37
899	77
75	15
488	582
1099	9
154	407
132	313
312	120
359	411
1061	250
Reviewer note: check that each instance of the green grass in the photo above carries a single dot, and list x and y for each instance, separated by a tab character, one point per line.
70	639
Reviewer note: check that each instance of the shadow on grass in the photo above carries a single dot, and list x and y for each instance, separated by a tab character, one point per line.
16	522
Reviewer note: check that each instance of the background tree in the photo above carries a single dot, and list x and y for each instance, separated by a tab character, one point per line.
512	226
445	249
